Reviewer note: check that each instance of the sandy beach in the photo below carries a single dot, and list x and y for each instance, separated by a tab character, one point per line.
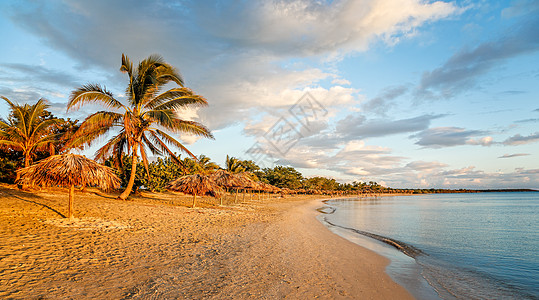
154	247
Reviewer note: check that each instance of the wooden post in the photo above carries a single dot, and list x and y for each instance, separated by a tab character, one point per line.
194	200
71	196
236	197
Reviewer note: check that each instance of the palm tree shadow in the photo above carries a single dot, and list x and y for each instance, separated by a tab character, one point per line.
40	204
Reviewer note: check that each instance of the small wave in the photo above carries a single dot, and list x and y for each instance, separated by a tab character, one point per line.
326	210
409	250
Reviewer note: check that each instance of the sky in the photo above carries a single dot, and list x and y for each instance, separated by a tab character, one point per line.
407	93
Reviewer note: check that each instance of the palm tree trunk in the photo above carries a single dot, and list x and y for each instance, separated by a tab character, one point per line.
194	200
26	159
131	182
70	205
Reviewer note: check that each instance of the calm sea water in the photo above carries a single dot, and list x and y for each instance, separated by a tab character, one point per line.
474	246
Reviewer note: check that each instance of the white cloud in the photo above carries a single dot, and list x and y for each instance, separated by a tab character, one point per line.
518	139
450	136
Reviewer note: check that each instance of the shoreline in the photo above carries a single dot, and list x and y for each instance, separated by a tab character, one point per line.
154	246
403	267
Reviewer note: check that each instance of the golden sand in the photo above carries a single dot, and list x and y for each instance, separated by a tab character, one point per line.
155	247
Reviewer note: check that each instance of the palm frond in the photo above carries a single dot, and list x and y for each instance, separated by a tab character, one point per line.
176	98
119	148
144	160
165	118
36	111
168	74
173	141
192	127
3	124
127	65
10	144
157	138
108	149
92	93
93	127
43	126
151	146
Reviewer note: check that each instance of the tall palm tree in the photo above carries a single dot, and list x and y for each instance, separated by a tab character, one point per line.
26	131
146	121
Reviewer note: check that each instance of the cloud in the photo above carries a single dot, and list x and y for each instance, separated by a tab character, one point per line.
20	95
314	27
519	8
513	92
536	110
232	54
340	81
381	103
37	74
451	136
425	165
521	140
356	126
459	73
528	121
514	155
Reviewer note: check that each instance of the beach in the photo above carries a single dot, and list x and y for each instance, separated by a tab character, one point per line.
153	246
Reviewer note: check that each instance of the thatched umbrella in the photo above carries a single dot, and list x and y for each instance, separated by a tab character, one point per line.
227	180
268	188
196	184
246	181
69	170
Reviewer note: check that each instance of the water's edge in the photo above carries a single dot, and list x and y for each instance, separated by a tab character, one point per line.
401	255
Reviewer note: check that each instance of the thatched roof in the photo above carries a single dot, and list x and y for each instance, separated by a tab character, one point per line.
268	187
67	170
286	191
196	184
247	180
228	180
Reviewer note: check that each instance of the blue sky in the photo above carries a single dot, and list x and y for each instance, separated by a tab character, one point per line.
407	93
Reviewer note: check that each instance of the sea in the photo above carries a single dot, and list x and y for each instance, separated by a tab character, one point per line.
449	246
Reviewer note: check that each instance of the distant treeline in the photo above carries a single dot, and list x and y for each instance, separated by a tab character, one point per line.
454	191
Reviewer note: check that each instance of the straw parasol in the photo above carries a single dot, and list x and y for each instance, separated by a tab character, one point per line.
228	180
69	170
196	184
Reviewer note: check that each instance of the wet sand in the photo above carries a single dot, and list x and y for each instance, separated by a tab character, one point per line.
155	247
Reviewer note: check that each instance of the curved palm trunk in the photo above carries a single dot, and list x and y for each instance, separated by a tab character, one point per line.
131	182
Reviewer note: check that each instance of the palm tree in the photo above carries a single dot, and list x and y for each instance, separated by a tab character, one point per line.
234	165
206	165
146	121
26	131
